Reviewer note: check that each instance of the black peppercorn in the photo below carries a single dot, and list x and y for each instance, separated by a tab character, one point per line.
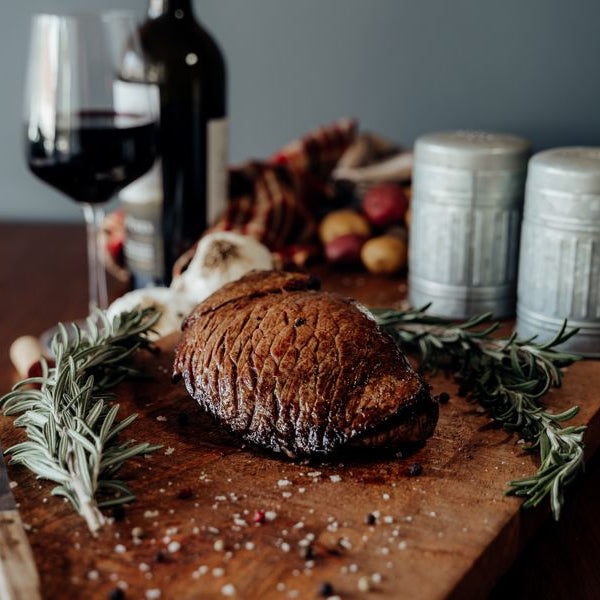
370	519
415	469
326	589
443	398
300	322
307	553
116	594
161	557
118	512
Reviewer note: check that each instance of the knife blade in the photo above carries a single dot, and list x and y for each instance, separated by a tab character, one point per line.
19	578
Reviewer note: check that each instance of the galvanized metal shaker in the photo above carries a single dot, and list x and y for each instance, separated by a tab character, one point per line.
559	272
465	222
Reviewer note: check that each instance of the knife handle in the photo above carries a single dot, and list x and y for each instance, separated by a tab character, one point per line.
19	578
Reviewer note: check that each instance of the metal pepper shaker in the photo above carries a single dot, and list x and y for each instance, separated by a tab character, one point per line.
559	272
465	222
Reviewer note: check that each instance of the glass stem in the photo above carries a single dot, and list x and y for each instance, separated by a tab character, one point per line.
94	215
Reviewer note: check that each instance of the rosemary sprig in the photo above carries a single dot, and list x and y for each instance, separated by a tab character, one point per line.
72	429
507	377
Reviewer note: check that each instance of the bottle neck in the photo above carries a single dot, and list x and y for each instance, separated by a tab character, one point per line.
180	9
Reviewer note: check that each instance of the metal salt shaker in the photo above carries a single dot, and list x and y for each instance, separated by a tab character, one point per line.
465	222
559	272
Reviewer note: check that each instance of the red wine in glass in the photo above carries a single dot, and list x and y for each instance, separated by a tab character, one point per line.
93	154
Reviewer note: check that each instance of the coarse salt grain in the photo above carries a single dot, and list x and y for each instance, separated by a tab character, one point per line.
301	490
388	519
144	567
284	483
402	545
228	590
385	496
376	578
219	546
13	485
314	474
270	515
153	594
120	549
174	547
286	494
363	584
93	575
150	514
285	547
161	418
218	572
249	545
335	478
169	451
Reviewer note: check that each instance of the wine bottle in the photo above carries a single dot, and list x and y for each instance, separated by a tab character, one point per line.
189	69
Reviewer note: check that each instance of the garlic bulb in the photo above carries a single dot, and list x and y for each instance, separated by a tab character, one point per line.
173	308
220	258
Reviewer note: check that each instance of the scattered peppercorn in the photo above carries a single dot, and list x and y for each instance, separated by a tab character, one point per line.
307	552
300	322
370	519
182	419
161	557
259	517
185	493
326	589
443	398
118	512
116	594
415	469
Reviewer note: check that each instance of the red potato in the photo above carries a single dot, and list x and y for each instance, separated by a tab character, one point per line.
345	249
385	204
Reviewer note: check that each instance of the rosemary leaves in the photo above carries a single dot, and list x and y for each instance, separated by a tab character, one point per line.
73	434
507	377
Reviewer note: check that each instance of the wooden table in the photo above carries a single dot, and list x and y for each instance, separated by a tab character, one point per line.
43	280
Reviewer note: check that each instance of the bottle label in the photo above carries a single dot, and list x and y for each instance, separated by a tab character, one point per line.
217	138
142	205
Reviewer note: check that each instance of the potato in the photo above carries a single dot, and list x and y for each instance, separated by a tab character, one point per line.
384	255
345	249
343	222
385	204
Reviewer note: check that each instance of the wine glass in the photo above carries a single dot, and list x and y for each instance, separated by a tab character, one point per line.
90	120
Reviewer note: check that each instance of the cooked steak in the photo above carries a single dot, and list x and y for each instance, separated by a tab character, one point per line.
300	371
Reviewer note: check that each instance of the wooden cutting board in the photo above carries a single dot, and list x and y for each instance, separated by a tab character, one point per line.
447	532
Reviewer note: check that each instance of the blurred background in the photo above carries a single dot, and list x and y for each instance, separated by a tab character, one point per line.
401	68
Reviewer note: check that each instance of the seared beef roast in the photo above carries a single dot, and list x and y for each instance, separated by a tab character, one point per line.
300	371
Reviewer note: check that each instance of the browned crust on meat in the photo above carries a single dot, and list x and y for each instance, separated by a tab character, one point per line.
300	371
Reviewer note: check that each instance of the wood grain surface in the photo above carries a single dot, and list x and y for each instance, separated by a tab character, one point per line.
449	531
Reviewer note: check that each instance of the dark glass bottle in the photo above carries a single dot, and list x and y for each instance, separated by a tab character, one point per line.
190	71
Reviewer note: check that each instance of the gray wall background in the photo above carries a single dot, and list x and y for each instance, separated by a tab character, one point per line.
402	67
